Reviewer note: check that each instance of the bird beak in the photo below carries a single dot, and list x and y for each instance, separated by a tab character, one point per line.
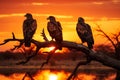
25	15
48	18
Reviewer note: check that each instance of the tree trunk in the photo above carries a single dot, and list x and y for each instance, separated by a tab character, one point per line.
118	75
118	57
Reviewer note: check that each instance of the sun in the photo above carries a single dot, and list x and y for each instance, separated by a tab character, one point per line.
47	49
53	77
51	48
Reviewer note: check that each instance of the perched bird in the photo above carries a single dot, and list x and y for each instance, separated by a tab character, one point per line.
55	30
84	32
29	28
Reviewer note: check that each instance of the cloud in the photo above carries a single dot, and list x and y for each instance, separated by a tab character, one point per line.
98	3
89	18
115	1
57	16
74	3
10	15
55	1
1	33
39	4
61	3
40	15
106	2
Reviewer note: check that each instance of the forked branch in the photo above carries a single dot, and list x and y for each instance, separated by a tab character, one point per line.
104	34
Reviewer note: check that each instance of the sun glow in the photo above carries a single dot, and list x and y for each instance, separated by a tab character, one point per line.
51	48
47	49
53	77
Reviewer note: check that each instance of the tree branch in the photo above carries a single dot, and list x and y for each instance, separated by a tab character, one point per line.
29	75
72	75
48	57
43	35
104	34
100	57
13	39
97	56
116	37
29	57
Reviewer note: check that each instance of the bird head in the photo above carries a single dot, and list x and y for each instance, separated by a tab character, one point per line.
28	15
80	19
51	18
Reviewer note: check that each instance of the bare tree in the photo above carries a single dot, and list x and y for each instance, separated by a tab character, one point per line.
91	55
115	41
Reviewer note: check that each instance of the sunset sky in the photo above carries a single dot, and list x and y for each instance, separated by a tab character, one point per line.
105	13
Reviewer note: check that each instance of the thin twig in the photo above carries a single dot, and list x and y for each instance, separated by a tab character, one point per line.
100	30
73	74
43	35
48	57
29	57
29	75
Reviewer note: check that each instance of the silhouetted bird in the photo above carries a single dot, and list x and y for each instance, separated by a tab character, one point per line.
29	28
55	30
84	32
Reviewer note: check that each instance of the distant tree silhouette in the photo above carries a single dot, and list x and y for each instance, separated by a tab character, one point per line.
115	41
108	49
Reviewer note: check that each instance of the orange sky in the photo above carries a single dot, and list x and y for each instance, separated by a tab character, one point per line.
106	13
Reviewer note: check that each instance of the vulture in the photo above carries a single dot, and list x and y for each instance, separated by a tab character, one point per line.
84	32
29	28
55	30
